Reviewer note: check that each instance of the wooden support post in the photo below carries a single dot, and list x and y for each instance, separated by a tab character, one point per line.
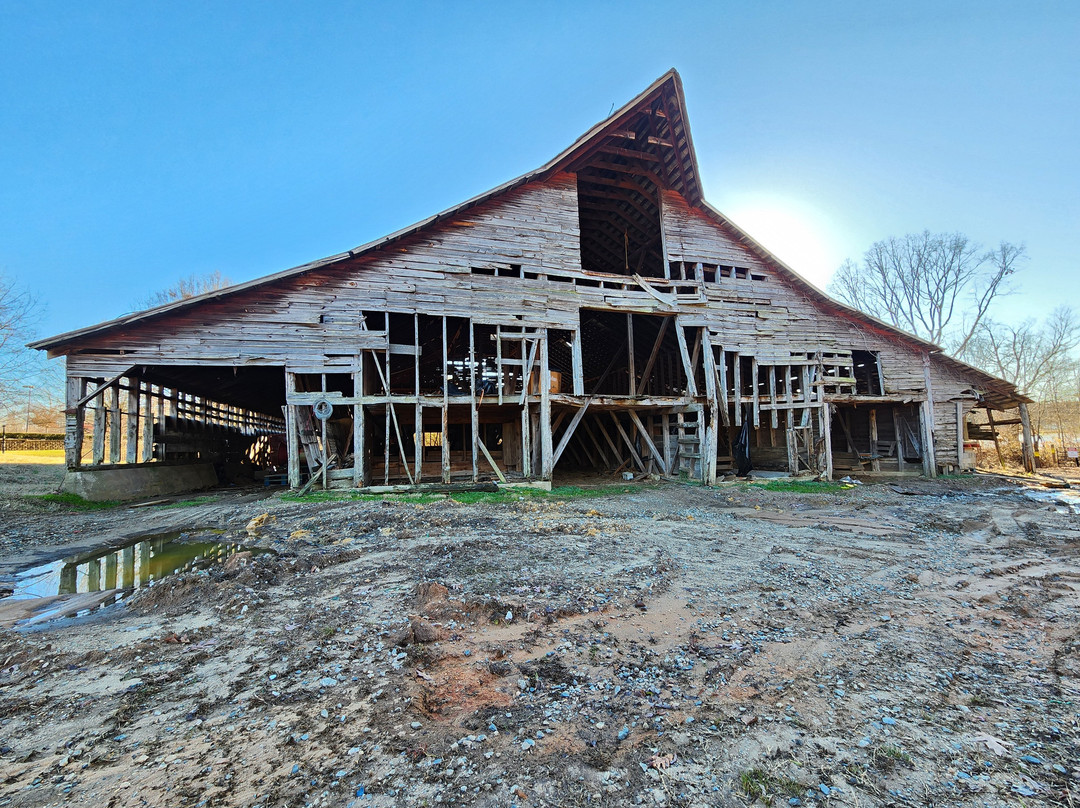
929	452
688	368
147	453
1029	440
774	420
526	369
74	416
630	354
97	456
292	432
547	465
709	438
875	462
737	385
474	415
960	435
133	422
993	431
721	370
578	365
360	471
756	396
445	409
418	441
926	423
826	437
115	432
498	361
526	444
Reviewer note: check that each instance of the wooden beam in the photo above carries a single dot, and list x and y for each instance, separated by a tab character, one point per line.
629	443
547	465
993	430
1029	444
645	436
592	436
103	386
292	439
115	433
445	410
132	448
603	431
74	418
491	460
691	384
652	356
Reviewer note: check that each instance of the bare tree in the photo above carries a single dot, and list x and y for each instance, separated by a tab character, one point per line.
1029	355
938	286
191	286
17	312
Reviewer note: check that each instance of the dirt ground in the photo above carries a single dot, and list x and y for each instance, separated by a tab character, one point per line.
912	643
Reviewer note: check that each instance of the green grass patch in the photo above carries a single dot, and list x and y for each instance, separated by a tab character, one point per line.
758	784
466	497
188	503
74	501
801	486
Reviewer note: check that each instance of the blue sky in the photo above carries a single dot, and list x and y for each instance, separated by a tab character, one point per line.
142	142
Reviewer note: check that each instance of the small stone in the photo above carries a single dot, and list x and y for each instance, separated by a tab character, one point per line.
416	725
327	681
888	721
509	617
624	733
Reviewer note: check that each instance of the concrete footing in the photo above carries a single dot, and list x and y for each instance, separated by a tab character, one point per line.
138	482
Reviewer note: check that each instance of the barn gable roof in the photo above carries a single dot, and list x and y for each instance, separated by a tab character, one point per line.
654	122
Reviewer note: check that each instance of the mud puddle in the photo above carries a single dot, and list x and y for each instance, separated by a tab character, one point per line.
105	575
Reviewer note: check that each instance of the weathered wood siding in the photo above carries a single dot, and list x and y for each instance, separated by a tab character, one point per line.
312	319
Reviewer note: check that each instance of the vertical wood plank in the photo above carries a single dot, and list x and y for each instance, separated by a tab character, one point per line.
148	423
688	368
74	417
133	422
546	453
445	408
291	432
826	436
579	367
115	430
875	463
473	404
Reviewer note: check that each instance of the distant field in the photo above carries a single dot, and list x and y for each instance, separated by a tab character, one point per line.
48	456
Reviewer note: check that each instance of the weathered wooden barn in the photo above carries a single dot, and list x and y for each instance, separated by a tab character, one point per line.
594	314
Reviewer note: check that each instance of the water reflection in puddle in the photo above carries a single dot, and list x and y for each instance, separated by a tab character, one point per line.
127	568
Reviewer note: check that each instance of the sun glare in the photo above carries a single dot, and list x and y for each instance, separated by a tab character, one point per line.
795	233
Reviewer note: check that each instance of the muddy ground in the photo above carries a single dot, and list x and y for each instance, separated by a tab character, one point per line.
907	644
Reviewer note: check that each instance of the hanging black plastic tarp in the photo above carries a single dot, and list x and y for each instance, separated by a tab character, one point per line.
742	449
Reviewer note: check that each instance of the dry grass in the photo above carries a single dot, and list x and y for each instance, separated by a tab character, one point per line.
51	457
